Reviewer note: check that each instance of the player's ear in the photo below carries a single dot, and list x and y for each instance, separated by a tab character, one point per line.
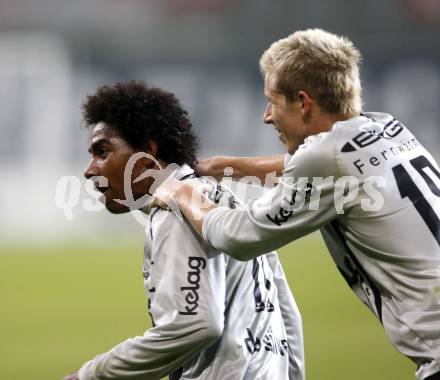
305	101
305	104
151	148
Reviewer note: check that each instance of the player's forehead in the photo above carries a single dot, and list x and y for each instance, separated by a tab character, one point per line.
270	89
103	133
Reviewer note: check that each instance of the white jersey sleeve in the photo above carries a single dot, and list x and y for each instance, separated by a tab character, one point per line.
186	306
288	211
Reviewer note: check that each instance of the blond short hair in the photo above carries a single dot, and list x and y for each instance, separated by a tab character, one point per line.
320	63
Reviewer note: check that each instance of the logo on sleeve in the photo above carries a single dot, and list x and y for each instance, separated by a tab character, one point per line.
195	264
366	138
299	197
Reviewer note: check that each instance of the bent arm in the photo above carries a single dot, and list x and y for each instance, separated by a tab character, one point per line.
259	167
302	202
154	355
281	215
296	207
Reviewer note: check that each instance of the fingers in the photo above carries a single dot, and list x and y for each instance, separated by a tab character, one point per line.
211	167
201	187
203	167
157	202
170	193
163	196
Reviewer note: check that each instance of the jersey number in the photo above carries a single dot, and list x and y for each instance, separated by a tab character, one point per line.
259	303
408	188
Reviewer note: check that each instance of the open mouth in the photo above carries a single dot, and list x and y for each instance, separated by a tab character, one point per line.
102	198
101	189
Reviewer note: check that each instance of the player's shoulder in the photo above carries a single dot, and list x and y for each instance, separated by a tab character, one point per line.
358	127
171	225
168	221
321	154
363	130
315	157
164	221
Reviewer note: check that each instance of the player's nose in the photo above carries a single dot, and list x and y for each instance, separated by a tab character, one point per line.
267	115
91	170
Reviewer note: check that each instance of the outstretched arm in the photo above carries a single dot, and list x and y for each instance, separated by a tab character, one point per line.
258	167
283	214
303	201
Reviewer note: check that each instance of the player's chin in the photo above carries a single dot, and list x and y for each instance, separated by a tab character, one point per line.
116	207
286	146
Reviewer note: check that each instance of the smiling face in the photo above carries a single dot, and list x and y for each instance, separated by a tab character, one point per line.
287	116
110	154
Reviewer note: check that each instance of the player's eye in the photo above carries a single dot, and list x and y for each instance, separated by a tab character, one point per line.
102	152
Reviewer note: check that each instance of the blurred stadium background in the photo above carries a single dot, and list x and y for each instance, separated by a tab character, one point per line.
71	283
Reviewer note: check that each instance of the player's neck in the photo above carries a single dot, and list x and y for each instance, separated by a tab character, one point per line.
325	121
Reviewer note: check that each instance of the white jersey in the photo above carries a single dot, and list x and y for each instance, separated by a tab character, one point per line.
374	191
213	316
